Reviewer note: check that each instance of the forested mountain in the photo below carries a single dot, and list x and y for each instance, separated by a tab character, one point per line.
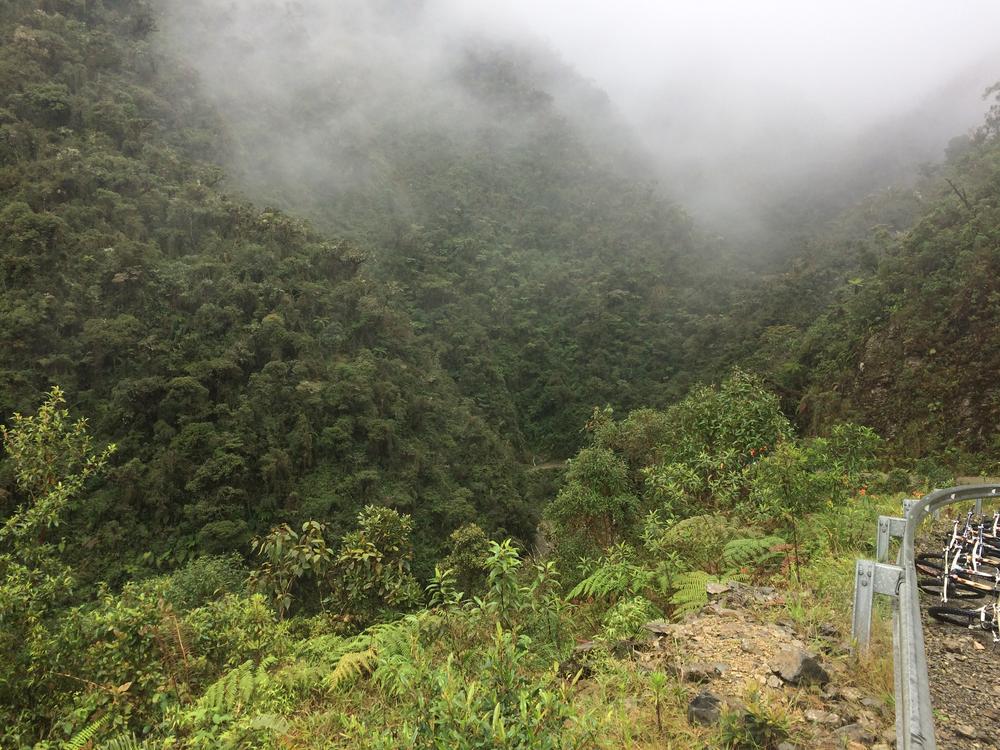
322	280
247	367
911	345
492	187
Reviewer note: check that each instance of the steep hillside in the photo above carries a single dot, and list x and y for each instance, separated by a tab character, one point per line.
246	366
907	342
495	190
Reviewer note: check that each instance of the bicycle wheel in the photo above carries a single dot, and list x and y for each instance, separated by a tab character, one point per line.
955	590
985	584
954	615
929	564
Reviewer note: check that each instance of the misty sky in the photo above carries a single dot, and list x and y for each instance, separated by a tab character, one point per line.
742	104
842	57
736	96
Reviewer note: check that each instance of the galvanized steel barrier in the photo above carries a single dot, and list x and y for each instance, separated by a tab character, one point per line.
914	720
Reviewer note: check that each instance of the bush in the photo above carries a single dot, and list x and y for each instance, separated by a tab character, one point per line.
203	580
624	621
469	547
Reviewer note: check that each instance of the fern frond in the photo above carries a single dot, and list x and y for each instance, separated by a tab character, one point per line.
351	665
122	742
613	578
270	722
740	553
691	595
86	735
238	688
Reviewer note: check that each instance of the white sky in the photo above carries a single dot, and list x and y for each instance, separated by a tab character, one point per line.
842	57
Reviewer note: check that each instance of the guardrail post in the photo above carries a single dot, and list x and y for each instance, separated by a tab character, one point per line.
871	578
888	527
979	506
861	628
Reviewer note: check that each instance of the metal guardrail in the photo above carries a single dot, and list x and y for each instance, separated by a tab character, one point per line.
914	720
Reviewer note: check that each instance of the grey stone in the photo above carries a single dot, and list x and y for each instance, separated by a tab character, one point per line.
856	733
828	631
625	649
955	645
822	717
851	694
797	667
705	708
699	672
967	731
659	627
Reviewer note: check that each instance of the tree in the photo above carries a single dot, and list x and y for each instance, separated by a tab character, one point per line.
793	481
52	459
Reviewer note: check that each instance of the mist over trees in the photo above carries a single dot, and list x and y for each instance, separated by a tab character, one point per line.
340	286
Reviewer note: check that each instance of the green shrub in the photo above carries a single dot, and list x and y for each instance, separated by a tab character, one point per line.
234	628
758	727
203	580
625	620
468	549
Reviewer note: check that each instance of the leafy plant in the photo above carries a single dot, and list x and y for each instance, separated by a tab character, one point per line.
289	557
760	726
625	620
615	575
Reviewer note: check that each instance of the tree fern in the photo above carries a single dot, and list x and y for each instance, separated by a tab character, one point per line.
400	654
615	575
86	735
691	593
387	651
752	552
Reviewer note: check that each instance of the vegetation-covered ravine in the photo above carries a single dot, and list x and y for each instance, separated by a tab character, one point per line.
292	354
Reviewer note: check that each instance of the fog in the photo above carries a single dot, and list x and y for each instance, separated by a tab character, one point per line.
740	106
744	103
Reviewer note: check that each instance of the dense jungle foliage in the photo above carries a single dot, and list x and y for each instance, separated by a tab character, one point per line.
246	367
268	483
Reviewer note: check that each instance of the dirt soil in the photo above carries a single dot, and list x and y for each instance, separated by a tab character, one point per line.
729	649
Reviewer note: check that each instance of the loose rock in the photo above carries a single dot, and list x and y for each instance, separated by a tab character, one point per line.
856	733
822	717
796	667
705	708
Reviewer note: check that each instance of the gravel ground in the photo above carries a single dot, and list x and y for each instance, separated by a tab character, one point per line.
963	667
